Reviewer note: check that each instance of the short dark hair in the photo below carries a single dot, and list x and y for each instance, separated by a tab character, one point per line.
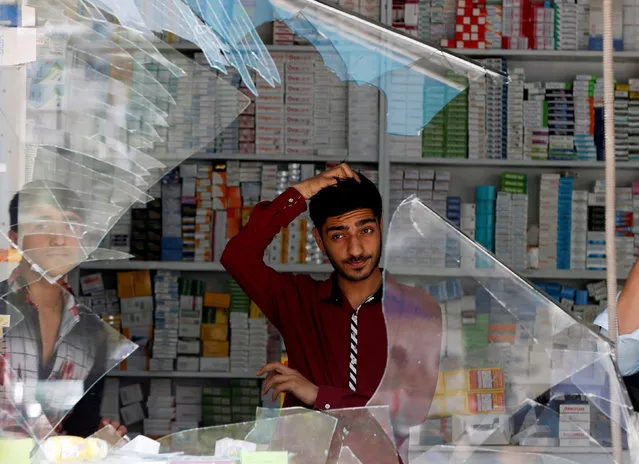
348	195
44	192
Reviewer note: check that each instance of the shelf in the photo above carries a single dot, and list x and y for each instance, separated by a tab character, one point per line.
551	164
561	274
184	375
530	274
279	157
512	449
191	266
189	47
563	55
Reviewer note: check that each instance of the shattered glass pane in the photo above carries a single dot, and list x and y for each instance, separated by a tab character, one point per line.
498	363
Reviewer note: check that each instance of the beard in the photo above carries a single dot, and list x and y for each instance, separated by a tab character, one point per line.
341	269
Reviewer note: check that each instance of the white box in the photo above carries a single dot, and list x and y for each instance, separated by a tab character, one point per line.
131	394
482	429
186	363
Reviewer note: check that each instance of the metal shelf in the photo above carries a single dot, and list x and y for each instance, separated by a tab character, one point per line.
188	47
191	266
571	55
558	274
278	157
550	164
513	449
184	375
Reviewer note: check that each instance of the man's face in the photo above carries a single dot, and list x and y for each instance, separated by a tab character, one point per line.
50	238
353	243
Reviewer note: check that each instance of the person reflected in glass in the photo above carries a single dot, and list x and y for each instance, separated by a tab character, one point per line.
55	340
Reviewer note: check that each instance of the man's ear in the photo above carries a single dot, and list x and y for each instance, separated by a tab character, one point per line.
318	239
381	223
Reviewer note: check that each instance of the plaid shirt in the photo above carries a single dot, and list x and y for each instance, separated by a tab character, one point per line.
22	374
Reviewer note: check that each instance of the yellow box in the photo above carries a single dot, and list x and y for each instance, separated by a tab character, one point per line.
143	285
215	349
468	403
215	332
217	300
474	380
255	312
221	316
126	285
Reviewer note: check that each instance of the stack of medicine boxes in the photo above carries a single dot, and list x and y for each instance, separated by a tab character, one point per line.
240	339
485	196
579	229
564	222
215	333
191	307
574	425
548	220
167	314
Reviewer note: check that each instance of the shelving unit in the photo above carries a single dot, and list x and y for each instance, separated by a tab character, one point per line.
466	173
539	65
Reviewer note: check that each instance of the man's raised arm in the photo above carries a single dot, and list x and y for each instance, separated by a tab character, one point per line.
243	256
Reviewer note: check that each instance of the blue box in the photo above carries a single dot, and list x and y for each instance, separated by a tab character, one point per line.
10	15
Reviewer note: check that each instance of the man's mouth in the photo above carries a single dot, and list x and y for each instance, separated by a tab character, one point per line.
357	263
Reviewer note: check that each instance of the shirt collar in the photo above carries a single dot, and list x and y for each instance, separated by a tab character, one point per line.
329	291
18	285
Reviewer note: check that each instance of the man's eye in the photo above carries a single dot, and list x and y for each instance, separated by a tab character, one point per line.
336	236
368	230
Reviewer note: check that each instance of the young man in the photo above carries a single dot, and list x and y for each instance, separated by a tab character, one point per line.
56	340
335	330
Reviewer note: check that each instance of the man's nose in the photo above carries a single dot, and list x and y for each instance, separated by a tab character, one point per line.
58	238
355	247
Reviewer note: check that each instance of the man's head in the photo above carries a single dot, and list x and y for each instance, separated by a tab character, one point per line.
348	226
47	225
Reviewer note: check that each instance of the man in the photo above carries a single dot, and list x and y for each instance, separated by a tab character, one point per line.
334	330
628	330
55	340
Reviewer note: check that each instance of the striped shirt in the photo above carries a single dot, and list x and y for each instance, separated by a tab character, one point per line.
36	396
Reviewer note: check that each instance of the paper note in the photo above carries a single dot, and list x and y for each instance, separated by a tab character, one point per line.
16	451
265	457
5	319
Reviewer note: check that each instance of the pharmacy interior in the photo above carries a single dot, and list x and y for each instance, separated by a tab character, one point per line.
167	121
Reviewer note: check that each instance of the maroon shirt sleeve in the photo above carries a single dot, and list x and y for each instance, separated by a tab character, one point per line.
340	398
243	257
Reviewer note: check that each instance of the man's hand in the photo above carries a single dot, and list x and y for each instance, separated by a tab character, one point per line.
121	430
282	379
311	187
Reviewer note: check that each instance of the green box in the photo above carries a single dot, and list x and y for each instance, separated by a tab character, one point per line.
246	391
216	391
216	401
241	401
244	383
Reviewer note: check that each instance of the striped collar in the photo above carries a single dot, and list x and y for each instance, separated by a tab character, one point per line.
329	290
